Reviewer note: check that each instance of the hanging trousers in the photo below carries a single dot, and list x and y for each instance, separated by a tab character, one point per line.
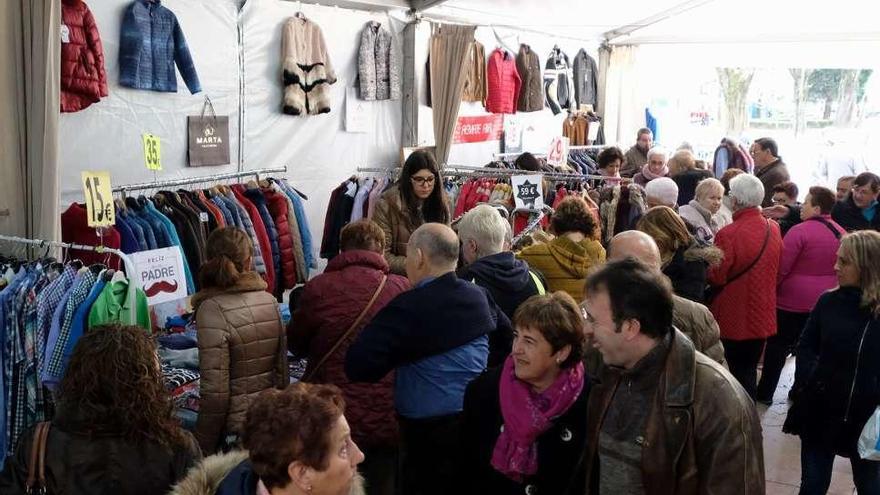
742	357
789	326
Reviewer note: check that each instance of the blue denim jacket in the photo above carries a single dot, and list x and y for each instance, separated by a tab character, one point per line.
151	43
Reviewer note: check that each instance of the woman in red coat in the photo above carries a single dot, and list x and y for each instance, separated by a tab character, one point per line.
330	305
744	283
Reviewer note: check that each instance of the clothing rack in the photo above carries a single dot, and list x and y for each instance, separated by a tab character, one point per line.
126	261
532	225
376	170
517	153
590	147
452	169
196	180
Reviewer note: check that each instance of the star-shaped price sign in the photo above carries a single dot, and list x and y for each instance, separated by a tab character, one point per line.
528	192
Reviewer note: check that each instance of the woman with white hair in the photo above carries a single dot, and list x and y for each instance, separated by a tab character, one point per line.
662	192
744	284
655	168
702	212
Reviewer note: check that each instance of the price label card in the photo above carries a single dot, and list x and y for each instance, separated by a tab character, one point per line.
152	152
99	199
558	153
528	193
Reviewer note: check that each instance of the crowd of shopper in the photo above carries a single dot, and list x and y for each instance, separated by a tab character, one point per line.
441	361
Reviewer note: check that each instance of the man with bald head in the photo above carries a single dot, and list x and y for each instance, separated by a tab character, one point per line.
692	318
437	337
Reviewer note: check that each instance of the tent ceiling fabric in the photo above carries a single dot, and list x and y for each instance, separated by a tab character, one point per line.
724	20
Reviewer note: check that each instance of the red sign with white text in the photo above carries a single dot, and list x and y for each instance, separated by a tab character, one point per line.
478	129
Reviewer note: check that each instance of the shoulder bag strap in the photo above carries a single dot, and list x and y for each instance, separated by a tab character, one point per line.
827	224
36	480
350	329
752	264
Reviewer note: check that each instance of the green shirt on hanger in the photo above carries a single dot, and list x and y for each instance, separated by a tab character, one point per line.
112	306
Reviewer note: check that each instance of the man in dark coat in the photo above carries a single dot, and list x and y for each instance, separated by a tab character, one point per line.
485	241
768	167
662	418
637	156
860	209
437	337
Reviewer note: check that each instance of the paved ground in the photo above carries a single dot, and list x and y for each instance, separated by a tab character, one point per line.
782	451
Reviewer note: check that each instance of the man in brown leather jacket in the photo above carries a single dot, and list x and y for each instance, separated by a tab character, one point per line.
662	418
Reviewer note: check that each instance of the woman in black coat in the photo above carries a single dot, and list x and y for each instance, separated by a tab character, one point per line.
685	261
504	450
837	383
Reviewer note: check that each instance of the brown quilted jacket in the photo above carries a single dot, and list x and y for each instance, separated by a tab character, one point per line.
242	351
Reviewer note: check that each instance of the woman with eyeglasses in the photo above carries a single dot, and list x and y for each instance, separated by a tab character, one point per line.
417	198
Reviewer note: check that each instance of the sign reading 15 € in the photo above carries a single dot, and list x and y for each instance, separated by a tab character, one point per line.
99	199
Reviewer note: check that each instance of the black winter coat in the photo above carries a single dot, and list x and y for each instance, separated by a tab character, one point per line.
839	371
849	216
560	448
83	460
687	272
506	278
687	184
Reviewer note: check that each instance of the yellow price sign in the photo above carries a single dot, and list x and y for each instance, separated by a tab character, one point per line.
99	199
152	152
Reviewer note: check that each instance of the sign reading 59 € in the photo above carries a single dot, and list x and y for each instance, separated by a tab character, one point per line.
99	199
528	193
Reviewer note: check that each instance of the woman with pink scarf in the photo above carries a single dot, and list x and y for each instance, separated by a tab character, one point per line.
524	422
655	168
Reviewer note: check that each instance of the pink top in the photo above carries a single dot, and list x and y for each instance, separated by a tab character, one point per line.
806	269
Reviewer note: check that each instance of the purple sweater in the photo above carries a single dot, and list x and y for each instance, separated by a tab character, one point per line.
806	269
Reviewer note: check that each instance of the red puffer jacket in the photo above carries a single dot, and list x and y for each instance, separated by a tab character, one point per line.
277	205
746	308
83	78
330	303
503	82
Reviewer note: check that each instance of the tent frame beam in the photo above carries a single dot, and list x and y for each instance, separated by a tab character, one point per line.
422	5
673	11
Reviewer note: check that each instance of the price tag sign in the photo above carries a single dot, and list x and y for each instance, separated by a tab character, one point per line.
99	199
528	193
160	274
558	154
152	152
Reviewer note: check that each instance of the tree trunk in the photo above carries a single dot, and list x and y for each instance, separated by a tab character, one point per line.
846	102
735	88
827	113
800	77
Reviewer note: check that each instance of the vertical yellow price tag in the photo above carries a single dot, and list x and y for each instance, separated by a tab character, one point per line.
99	199
152	152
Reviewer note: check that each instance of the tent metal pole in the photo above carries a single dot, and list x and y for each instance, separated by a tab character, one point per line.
654	19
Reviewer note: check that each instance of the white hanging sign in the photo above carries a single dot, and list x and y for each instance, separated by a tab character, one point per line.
558	153
528	193
358	113
160	274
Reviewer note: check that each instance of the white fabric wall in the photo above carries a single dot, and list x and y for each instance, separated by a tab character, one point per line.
318	152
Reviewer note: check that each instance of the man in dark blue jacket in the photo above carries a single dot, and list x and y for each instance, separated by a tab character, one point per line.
437	337
485	243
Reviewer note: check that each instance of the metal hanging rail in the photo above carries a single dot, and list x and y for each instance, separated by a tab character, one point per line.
126	261
451	169
195	180
590	147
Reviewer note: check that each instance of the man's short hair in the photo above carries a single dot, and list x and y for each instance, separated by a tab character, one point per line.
748	190
573	215
642	132
664	190
438	243
557	317
847	178
636	292
868	178
822	198
294	424
608	156
363	234
768	144
485	226
788	188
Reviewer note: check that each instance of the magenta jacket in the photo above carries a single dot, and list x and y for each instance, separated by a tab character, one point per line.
807	266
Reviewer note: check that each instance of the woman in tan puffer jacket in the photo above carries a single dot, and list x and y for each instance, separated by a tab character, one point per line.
242	345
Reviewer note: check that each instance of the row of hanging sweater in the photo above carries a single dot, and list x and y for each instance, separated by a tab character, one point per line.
45	307
272	213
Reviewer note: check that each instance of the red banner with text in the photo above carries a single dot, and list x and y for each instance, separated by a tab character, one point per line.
478	129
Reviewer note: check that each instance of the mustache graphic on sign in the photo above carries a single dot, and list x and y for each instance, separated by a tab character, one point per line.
162	286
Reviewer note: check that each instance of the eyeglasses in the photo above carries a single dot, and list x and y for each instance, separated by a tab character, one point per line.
422	181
